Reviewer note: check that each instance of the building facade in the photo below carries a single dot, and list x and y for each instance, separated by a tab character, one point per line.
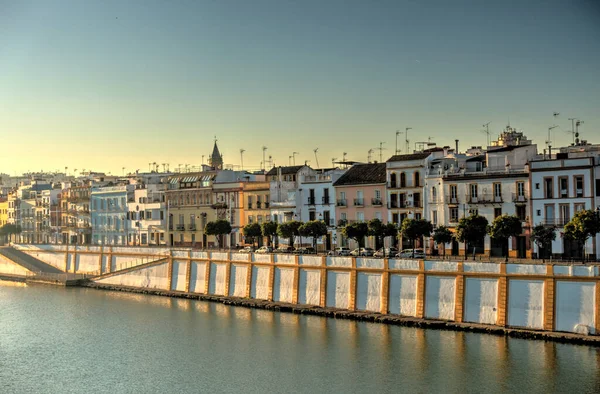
109	207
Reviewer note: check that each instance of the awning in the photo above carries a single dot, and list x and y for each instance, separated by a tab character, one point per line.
174	181
156	229
193	179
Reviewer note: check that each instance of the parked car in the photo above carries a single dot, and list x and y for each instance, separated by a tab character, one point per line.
408	254
285	249
363	252
308	250
246	249
264	249
340	252
389	252
355	252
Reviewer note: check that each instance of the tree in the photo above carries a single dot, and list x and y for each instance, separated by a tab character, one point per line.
442	235
269	230
218	228
414	229
289	230
583	225
314	229
10	230
252	231
356	231
380	231
543	237
503	227
471	229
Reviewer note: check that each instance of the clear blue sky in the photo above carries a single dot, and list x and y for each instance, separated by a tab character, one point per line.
107	84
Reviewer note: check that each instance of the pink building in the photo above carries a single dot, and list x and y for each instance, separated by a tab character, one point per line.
360	197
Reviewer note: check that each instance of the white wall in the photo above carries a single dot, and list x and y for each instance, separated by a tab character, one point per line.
283	284
403	295
368	291
481	300
439	297
260	283
575	304
238	277
179	275
86	263
338	289
309	287
525	303
155	277
217	280
198	277
8	267
56	260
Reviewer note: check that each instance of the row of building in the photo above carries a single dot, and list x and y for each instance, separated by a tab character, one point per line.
439	184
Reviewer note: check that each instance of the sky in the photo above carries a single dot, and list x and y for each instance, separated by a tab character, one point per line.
102	85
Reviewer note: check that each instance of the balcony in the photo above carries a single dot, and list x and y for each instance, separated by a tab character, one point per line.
359	202
266	205
192	227
258	205
171	227
416	204
311	201
519	198
559	223
250	206
392	185
342	203
484	199
180	227
325	200
452	200
376	202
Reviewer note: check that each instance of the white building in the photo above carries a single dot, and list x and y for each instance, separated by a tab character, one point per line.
283	190
561	185
147	215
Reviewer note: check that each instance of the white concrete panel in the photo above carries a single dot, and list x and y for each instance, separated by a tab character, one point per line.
197	254
309	287
339	261
7	266
218	278
180	253
261	258
56	260
237	280
338	289
285	259
240	256
178	277
70	262
525	303
105	264
562	270
403	295
283	287
87	263
368	291
362	262
197	277
155	277
219	256
443	266
260	283
123	262
583	271
531	269
481	300
575	304
402	264
481	267
316	261
439	297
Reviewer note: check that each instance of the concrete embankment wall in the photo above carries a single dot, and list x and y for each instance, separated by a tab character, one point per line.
541	297
9	267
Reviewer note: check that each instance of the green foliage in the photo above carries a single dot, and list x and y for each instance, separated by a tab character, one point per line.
390	230
269	230
471	229
218	228
442	235
505	226
10	229
314	229
356	231
289	230
543	235
583	225
375	228
416	228
252	231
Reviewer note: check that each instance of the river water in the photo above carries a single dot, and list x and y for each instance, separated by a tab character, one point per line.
73	340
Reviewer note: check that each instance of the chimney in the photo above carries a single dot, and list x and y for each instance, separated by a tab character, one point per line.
456	150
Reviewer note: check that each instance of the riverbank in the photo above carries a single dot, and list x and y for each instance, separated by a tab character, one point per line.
372	317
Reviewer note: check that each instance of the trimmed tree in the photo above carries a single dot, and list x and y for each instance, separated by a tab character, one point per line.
583	225
442	235
356	231
471	229
375	227
314	229
503	227
543	237
218	228
289	230
252	231
269	230
414	229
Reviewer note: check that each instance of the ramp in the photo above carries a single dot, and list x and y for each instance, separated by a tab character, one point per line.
27	261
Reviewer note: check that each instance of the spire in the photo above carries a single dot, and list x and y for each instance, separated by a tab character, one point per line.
216	160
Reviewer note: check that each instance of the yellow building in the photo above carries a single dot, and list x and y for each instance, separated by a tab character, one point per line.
256	209
3	212
189	207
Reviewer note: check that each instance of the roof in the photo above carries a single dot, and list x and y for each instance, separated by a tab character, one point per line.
412	156
477	158
363	174
288	170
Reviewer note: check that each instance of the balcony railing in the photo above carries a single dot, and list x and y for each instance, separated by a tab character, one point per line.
376	202
484	199
311	201
325	200
452	199
342	203
266	205
519	198
392	185
555	222
258	205
359	202
416	204
192	227
180	227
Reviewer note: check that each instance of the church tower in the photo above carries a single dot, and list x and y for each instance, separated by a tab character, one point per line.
216	160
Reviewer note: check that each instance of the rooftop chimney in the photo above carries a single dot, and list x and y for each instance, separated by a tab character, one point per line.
456	144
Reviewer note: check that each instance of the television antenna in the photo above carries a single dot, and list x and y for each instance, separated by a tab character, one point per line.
294	157
487	132
549	140
316	158
264	150
242	157
369	155
406	139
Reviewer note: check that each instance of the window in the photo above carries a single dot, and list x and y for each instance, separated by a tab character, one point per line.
378	215
162	215
250	219
537	186
549	214
578	186
473	211
521	212
360	216
392	180
433	194
343	216
497	191
181	219
521	189
259	219
417	216
394	218
417	179
311	215
597	187
563	210
378	194
563	184
453	214
402	179
578	207
434	218
548	188
497	212
473	189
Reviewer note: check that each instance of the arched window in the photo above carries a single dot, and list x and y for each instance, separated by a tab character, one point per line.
187	199
393	180
434	193
417	178
402	179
